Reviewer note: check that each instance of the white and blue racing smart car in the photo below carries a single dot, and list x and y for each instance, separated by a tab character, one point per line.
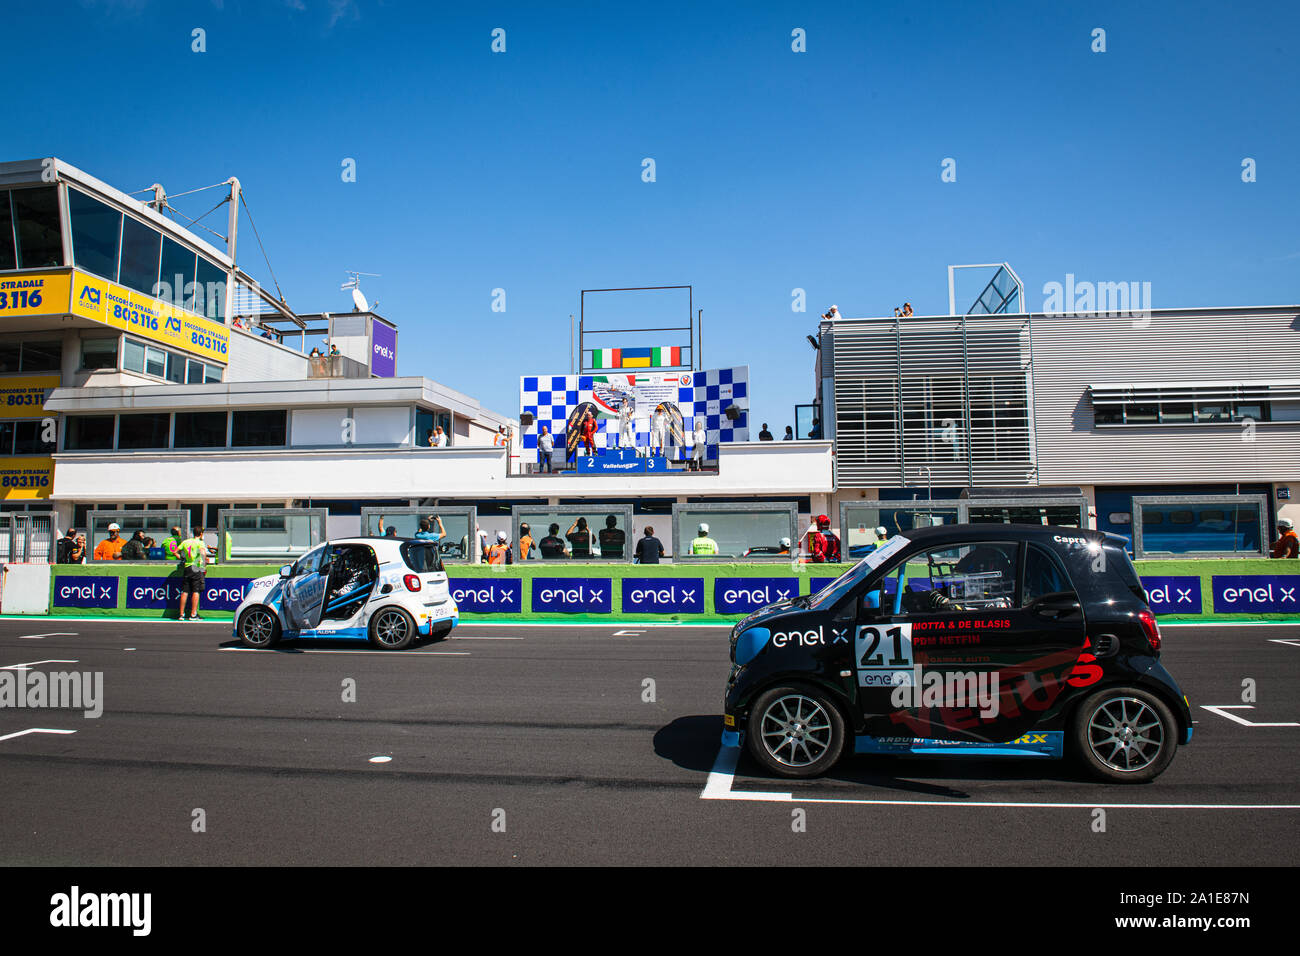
389	590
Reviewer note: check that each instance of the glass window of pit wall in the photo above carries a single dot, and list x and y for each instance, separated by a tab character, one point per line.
860	523
573	532
742	531
271	535
455	545
1198	526
156	524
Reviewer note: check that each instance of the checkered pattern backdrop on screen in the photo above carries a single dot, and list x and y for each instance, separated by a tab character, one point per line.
550	399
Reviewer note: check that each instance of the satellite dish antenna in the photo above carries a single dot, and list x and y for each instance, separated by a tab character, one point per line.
359	300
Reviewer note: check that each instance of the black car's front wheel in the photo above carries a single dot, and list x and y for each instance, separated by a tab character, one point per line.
1125	735
796	731
392	629
259	627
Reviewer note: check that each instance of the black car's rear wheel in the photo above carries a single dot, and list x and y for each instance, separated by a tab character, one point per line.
258	627
1125	735
392	629
796	731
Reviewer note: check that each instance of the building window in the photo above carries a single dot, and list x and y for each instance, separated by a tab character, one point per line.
143	431
28	438
200	430
210	294
39	231
200	373
96	230
98	353
31	356
177	274
8	254
259	428
88	433
141	249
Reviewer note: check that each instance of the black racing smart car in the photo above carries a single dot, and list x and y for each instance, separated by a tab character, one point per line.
963	640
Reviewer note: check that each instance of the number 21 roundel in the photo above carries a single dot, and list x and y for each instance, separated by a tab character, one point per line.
883	654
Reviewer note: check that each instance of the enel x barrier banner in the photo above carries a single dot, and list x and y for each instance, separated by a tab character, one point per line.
77	590
159	593
663	595
742	595
1256	593
488	596
573	595
1173	594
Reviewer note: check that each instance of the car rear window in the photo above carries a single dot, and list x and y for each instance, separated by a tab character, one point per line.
421	556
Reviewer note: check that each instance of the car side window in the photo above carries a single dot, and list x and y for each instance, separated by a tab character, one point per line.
1043	575
977	576
309	562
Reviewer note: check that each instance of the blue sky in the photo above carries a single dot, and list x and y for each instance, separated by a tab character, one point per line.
775	170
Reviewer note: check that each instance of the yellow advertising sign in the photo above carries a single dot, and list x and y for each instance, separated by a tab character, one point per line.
26	478
34	294
23	396
147	317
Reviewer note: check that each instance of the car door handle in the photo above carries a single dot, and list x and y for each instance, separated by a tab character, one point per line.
1055	610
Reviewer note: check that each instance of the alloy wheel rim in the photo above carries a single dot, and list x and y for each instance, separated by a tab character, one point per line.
391	628
795	730
1126	734
258	627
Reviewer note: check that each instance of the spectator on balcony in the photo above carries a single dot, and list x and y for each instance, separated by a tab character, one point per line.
1287	544
765	435
789	434
816	430
315	352
612	538
649	549
526	545
334	350
579	538
110	549
832	313
545	450
439	438
552	546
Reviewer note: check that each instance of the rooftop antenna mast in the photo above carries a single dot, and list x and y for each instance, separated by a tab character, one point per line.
354	284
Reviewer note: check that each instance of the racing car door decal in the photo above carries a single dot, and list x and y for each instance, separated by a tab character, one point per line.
304	593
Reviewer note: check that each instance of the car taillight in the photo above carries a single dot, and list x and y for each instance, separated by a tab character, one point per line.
412	582
1151	629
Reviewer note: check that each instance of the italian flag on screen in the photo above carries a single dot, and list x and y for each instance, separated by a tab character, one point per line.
654	357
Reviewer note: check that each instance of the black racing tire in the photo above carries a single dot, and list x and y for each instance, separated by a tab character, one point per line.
392	629
258	627
1124	735
795	730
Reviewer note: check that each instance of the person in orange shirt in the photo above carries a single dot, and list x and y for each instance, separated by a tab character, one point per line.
499	553
110	549
1287	544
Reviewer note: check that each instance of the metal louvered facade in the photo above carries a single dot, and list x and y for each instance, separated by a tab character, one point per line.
1005	400
945	400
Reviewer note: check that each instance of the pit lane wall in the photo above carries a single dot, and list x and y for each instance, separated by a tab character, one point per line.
1220	590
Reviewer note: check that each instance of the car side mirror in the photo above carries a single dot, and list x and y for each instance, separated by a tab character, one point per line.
286	570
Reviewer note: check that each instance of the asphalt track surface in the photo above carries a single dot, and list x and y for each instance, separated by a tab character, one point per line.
547	729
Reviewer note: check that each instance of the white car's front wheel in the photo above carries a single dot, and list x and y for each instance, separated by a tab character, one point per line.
258	627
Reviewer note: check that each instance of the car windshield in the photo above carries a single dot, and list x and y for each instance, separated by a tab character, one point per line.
850	578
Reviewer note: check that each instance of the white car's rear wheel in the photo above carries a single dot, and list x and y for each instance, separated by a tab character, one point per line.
391	629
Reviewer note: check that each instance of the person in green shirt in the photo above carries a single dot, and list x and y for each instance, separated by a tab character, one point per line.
172	546
703	545
193	554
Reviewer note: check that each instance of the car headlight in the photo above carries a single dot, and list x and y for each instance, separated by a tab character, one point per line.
750	643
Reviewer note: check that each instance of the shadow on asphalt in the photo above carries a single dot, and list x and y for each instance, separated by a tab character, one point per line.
692	743
298	645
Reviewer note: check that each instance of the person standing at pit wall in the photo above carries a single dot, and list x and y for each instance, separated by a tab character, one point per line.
1287	544
194	560
703	546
